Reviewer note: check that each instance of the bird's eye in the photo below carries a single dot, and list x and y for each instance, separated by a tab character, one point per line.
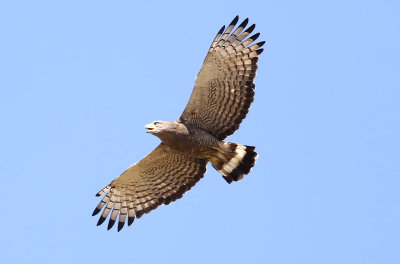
156	123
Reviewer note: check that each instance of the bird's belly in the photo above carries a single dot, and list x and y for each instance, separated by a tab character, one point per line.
199	145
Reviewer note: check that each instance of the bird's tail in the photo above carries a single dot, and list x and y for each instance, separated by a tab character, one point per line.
234	160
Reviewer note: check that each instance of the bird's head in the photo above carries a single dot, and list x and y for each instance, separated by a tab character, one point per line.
156	127
168	132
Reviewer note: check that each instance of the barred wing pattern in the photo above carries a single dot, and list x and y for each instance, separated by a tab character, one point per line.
160	178
224	87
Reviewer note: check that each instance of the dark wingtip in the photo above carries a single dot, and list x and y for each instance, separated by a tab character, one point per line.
120	225
110	224
139	213
221	30
251	28
101	220
167	200
97	194
255	36
261	43
244	23
235	20
96	211
130	220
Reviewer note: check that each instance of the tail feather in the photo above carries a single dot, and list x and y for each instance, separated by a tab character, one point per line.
233	161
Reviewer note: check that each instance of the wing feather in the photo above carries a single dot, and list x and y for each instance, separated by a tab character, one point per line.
224	88
160	178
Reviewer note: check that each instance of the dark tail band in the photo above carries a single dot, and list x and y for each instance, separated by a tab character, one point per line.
238	161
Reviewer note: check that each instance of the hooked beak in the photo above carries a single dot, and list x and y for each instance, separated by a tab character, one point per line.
150	127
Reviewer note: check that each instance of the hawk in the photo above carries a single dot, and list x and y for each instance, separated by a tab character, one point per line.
220	100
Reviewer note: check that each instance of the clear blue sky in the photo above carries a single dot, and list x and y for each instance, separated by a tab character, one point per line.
80	79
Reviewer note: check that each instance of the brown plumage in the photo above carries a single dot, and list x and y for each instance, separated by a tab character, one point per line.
224	88
220	100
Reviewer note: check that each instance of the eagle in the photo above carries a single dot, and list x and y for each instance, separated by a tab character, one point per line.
222	95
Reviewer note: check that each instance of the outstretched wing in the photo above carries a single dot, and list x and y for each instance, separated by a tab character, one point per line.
160	178
224	87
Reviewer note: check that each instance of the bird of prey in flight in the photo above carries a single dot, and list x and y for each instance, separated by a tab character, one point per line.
222	95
